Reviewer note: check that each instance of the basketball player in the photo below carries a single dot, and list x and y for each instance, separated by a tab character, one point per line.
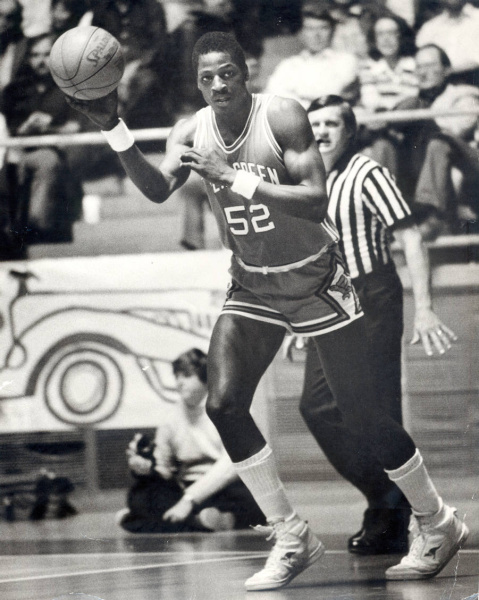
266	184
366	206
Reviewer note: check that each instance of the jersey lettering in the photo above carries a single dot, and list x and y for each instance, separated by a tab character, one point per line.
239	225
261	217
268	174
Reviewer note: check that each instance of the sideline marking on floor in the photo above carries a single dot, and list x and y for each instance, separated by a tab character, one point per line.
161	566
136	553
185	563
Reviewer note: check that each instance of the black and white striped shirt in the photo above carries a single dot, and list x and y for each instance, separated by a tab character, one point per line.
364	203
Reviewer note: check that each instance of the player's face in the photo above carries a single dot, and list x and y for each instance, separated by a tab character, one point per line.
430	71
316	34
387	36
330	132
38	57
221	81
192	391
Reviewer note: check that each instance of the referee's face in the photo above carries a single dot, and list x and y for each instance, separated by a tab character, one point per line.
330	133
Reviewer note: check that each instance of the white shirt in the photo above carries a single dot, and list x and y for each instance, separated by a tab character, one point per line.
307	76
457	97
188	447
36	17
382	88
458	36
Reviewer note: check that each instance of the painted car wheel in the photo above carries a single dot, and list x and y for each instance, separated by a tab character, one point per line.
83	383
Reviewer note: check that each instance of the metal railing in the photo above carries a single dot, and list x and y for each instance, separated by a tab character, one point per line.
161	133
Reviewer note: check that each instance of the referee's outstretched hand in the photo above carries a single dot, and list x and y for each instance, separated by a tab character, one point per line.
431	331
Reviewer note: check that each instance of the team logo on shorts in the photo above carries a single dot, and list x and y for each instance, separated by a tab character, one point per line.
342	286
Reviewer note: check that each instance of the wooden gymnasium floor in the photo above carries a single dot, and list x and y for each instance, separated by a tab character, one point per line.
87	557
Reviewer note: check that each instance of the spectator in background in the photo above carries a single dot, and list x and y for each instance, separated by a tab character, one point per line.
428	151
456	31
387	78
49	193
140	26
66	14
13	43
389	75
36	17
354	22
318	69
137	24
143	96
184	480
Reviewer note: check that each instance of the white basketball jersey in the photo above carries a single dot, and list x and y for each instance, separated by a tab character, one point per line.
260	234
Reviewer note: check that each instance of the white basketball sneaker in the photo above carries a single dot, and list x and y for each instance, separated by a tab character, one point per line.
432	548
296	548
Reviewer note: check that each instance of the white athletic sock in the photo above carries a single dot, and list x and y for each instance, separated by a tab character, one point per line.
260	475
414	481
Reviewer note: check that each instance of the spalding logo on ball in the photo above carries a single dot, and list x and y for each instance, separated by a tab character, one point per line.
86	62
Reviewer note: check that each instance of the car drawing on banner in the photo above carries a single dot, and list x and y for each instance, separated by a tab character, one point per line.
73	330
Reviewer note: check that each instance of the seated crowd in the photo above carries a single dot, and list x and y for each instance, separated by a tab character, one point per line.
380	56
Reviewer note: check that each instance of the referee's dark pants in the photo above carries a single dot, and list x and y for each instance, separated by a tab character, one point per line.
381	297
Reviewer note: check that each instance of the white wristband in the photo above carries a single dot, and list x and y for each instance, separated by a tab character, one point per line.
245	184
120	137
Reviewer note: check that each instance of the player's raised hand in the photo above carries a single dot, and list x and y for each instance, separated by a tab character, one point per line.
431	331
209	164
101	111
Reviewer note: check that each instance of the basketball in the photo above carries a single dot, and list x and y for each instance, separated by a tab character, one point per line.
86	62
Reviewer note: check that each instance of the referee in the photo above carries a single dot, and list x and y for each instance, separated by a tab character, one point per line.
366	206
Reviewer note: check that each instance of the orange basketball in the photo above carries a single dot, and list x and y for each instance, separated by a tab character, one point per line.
86	62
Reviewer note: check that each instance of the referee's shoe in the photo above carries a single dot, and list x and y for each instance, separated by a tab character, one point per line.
296	549
436	541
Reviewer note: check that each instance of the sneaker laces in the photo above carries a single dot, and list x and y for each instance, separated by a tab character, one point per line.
418	532
275	531
266	529
417	544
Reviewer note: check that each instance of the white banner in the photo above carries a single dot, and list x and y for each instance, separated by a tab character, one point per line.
89	341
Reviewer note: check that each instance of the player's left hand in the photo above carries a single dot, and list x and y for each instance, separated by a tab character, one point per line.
179	512
209	164
431	331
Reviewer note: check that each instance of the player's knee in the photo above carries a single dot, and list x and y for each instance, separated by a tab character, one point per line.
222	407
